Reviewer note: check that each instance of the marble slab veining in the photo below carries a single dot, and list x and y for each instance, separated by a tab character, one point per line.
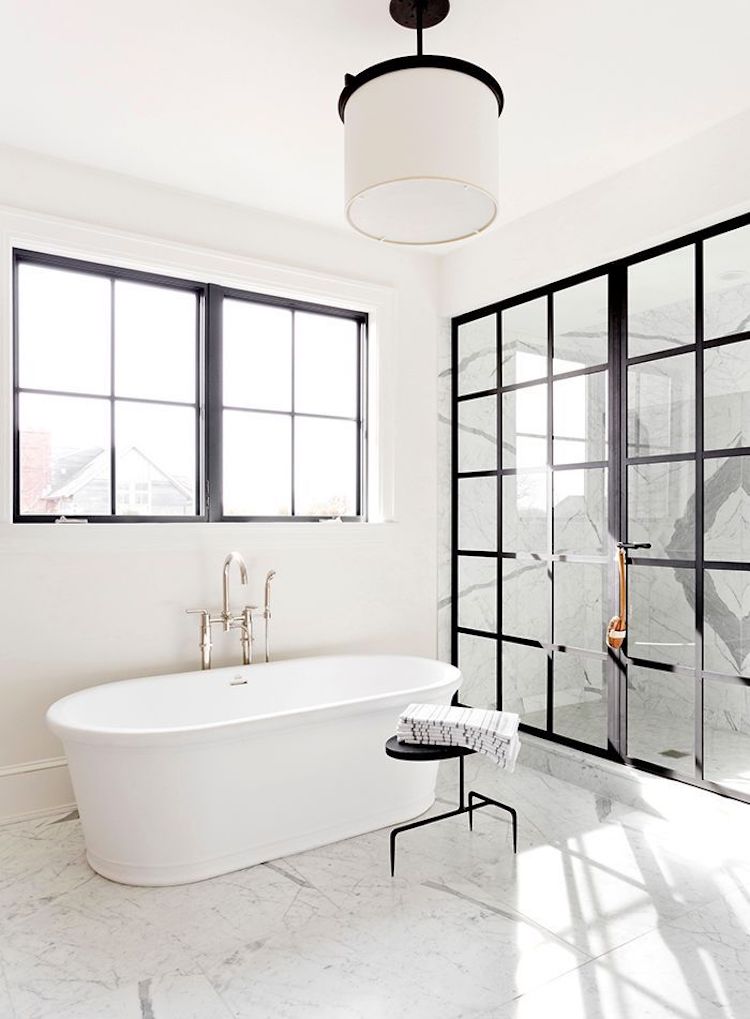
607	909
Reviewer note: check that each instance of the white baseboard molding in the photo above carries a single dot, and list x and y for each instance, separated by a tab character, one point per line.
34	789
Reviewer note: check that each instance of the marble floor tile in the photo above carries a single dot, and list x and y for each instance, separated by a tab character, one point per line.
173	996
6	1005
411	953
606	910
695	967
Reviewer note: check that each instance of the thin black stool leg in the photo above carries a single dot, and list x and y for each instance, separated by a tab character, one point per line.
461	809
487	801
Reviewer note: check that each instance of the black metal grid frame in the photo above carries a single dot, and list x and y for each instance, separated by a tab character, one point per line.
208	402
618	462
216	298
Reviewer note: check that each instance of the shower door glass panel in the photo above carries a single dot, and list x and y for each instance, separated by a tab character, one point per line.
660	482
555	512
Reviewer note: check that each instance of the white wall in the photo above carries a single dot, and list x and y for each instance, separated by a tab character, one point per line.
84	604
693	184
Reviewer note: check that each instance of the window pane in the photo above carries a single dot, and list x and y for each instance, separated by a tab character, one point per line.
581	318
325	468
661	623
477	514
524	672
580	698
726	608
257	464
155	469
325	365
524	347
580	509
661	509
155	337
661	302
524	500
726	732
477	593
477	434
526	599
257	356
726	395
661	406
727	508
525	427
580	604
65	456
726	275
580	419
661	711
477	660
63	330
477	355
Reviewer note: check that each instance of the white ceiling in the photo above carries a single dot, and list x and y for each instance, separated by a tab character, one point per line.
237	98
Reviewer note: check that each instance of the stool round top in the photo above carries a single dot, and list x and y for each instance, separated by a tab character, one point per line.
423	751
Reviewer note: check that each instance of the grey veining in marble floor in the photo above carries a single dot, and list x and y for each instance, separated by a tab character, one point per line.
607	912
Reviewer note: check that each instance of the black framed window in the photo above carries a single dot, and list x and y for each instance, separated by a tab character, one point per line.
144	397
289	380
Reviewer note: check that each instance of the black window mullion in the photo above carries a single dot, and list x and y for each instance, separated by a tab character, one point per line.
617	714
112	445
293	429
200	408
499	505
454	500
360	447
214	345
550	510
16	422
699	512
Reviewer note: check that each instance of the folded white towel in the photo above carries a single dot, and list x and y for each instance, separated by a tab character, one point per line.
493	733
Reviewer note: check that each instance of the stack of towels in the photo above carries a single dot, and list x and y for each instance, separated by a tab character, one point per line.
494	733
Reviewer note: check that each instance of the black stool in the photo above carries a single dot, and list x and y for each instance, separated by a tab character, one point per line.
432	752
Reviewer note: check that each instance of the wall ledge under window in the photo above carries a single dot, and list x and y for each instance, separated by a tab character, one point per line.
21	539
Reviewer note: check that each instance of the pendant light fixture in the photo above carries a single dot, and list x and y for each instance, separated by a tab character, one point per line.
421	141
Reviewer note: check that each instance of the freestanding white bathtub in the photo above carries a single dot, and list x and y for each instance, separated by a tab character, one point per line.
180	778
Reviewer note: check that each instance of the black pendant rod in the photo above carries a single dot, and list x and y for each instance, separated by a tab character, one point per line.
420	19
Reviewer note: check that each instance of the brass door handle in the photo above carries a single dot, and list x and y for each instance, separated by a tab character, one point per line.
617	628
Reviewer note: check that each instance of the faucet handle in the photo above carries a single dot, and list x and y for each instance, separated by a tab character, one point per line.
197	612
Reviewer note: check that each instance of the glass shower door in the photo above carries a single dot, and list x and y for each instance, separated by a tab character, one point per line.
687	479
613	409
660	472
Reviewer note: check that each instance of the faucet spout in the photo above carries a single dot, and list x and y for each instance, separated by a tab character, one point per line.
233	557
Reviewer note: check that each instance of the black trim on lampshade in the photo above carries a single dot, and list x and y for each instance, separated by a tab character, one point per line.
353	82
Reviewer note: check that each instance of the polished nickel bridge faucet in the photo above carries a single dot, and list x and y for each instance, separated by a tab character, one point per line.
228	620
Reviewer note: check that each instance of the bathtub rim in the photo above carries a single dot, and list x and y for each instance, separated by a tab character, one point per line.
230	729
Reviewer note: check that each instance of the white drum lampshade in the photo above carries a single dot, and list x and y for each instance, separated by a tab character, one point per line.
421	149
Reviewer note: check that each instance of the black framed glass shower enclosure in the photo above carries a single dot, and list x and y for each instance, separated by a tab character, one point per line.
612	406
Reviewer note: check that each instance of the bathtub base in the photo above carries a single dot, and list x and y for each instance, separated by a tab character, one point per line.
187	873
